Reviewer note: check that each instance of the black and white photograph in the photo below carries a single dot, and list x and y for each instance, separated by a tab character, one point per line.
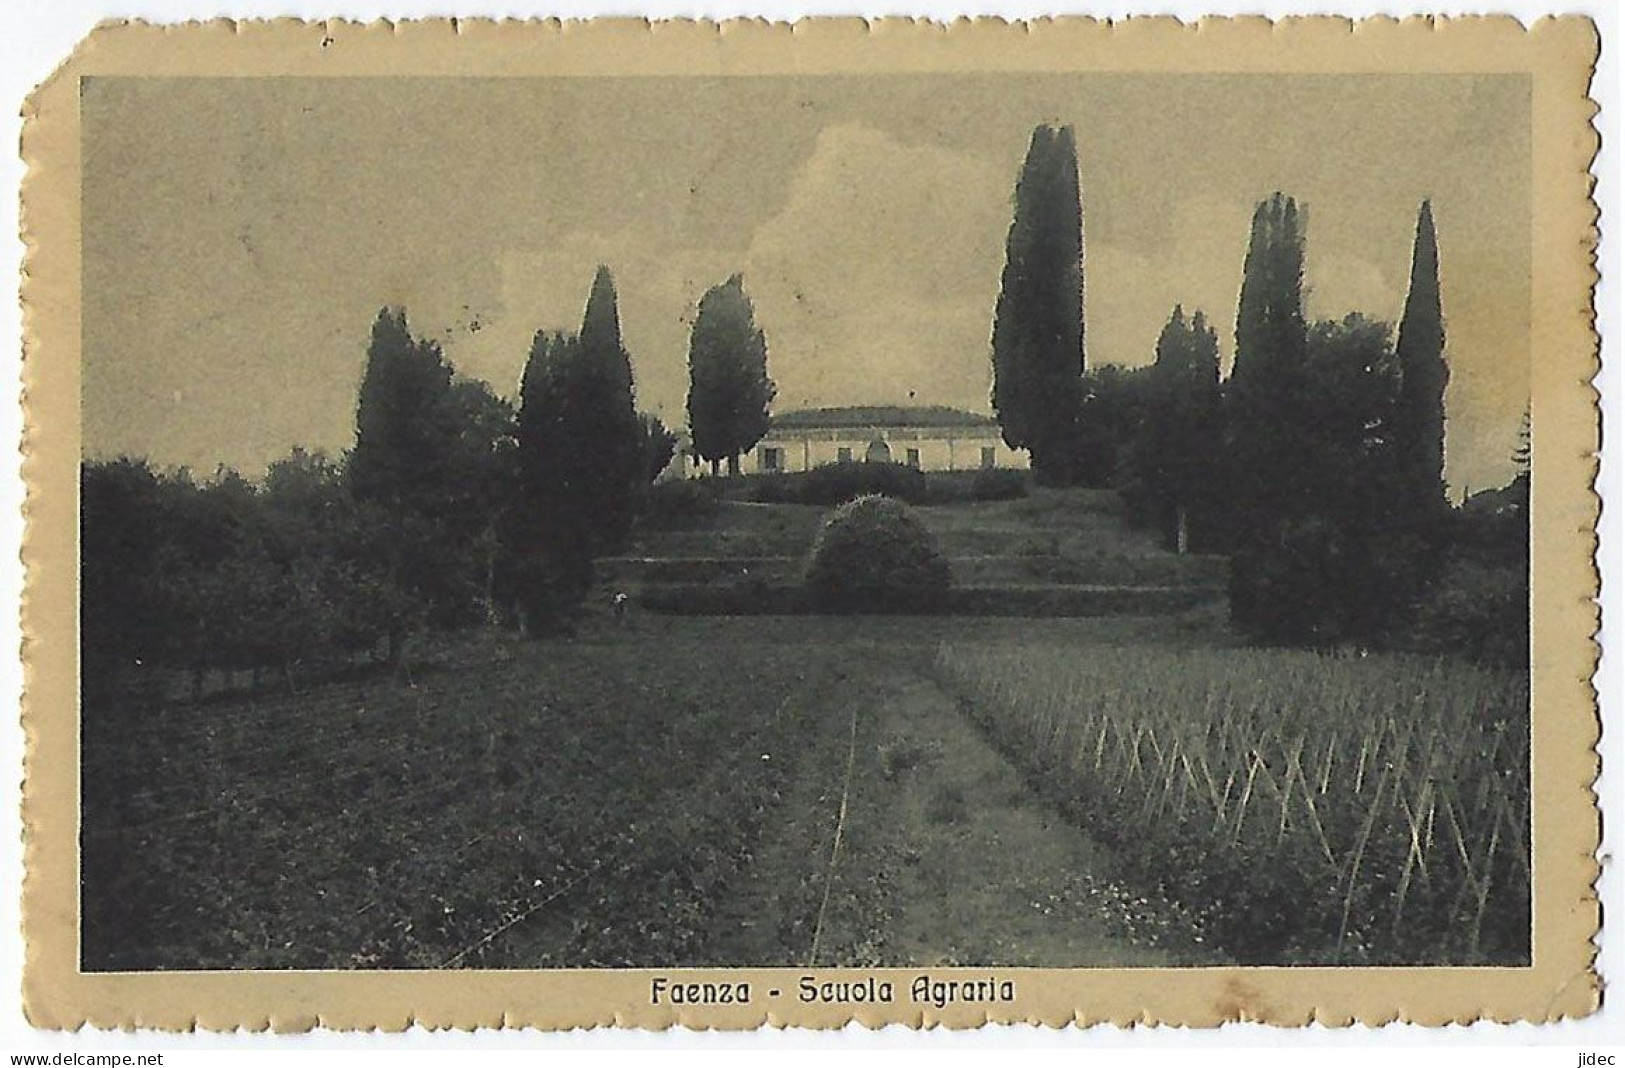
900	527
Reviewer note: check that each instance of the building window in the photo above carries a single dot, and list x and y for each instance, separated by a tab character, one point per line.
772	458
843	455
988	457
914	457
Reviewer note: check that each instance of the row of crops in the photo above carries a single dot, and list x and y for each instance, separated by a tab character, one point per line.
1308	808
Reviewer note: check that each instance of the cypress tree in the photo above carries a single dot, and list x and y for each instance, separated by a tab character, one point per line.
729	391
1038	351
1419	418
1183	428
1269	390
1270	461
579	453
547	567
404	427
601	335
404	463
1178	438
608	430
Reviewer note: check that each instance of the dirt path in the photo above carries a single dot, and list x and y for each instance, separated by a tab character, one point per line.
946	857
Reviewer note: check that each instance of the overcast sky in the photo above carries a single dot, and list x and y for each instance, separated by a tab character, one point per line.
241	234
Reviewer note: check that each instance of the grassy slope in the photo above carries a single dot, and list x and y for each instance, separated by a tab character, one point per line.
1049	538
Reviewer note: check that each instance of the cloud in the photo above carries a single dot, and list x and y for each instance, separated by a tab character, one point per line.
876	281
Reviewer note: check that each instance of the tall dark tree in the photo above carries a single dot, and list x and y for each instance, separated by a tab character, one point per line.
547	554
404	464
1419	418
608	424
578	454
1038	353
1179	439
1269	421
729	391
601	337
404	426
1269	390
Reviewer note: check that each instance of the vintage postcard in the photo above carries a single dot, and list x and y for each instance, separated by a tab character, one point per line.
610	523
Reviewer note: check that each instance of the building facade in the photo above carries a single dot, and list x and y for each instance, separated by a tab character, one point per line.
929	438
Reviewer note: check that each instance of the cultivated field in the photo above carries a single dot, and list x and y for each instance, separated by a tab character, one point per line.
1308	808
538	804
662	793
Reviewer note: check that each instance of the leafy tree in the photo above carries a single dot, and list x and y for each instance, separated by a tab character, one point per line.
1038	353
1373	580
482	477
1479	603
332	553
1108	413
659	445
1522	461
729	391
1355	383
1419	415
428	452
122	517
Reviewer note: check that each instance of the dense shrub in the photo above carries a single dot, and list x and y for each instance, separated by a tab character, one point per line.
1479	609
874	555
678	503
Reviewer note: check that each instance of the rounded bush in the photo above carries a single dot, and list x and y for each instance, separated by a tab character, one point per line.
874	555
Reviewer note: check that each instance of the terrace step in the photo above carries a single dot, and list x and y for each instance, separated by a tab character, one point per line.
1036	601
1156	571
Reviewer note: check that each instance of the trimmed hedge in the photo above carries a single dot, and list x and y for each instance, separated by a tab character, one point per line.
837	483
639	570
678	502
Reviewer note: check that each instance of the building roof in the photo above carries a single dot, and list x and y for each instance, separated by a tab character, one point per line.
933	416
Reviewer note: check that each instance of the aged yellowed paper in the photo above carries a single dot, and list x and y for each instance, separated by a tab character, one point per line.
611	523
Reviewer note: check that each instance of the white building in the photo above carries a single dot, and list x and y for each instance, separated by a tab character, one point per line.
932	438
